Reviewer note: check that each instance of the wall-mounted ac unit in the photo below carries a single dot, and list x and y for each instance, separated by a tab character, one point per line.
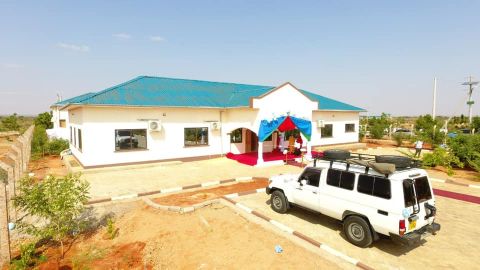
320	124
154	125
215	125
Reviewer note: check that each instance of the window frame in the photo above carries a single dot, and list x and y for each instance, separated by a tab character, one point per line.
372	191
311	170
341	173
60	121
347	130
322	131
207	143
131	149
232	137
79	135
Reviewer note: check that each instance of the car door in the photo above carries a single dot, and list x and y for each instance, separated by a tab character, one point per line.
308	195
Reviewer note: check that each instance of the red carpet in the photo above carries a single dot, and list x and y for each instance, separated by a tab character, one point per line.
456	196
251	158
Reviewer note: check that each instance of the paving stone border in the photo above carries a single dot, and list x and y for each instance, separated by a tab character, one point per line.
171	190
285	228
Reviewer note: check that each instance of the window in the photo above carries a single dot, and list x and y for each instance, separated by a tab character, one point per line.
374	185
349	128
236	136
80	139
422	189
130	139
327	131
312	176
71	135
196	136
63	123
75	137
341	179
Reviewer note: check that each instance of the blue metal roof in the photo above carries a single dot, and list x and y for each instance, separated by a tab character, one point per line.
169	92
74	99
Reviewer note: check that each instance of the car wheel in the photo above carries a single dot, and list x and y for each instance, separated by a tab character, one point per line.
278	202
357	231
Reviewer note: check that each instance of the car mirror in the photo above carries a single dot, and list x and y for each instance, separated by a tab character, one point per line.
303	182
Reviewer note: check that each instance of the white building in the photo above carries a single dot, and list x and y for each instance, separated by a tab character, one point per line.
149	119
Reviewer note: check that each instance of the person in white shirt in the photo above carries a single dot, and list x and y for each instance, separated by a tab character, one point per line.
418	148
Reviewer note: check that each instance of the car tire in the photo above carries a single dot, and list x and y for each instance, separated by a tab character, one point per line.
336	154
399	161
279	202
357	230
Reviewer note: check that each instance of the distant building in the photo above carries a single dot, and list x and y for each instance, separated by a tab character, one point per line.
152	118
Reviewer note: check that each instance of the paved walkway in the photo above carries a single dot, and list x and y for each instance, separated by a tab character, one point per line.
121	181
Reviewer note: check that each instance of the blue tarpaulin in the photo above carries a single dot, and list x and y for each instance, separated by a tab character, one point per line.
268	127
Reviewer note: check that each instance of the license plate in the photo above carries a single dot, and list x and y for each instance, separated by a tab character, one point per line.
412	225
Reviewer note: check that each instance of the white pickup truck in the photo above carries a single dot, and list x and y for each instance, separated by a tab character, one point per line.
385	195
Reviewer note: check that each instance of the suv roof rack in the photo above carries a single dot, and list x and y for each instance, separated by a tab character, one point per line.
365	160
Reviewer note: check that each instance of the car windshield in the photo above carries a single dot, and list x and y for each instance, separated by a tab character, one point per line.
422	190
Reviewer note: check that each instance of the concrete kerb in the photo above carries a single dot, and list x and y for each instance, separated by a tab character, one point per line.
286	229
448	181
170	190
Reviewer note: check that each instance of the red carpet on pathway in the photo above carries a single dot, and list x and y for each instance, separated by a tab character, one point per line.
456	196
251	158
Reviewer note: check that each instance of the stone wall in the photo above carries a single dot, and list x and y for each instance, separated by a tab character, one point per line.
14	159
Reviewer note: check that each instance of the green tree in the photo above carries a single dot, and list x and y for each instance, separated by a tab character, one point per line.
11	122
53	207
378	125
467	149
39	140
428	129
476	123
44	119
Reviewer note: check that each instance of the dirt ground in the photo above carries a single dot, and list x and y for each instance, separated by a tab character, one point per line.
194	197
48	165
213	237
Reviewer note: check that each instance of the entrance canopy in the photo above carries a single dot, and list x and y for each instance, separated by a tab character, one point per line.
284	123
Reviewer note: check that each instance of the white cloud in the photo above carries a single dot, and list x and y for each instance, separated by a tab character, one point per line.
11	66
157	38
122	36
73	47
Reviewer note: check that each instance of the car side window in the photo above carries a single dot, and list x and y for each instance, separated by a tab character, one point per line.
341	179
374	185
312	177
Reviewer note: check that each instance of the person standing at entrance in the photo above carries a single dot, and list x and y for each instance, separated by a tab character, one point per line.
418	148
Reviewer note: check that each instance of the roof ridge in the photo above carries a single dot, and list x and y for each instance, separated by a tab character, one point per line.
111	88
159	77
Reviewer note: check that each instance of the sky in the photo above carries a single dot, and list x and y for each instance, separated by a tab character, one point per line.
378	55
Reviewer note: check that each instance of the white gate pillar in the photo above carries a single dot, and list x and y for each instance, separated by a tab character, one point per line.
260	153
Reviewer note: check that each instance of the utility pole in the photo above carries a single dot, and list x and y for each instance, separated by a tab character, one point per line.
434	107
471	84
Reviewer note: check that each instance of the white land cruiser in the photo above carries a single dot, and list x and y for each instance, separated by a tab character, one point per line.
371	195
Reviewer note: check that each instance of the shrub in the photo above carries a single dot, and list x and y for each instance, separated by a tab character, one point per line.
467	149
398	137
57	202
442	157
55	146
376	131
10	123
39	140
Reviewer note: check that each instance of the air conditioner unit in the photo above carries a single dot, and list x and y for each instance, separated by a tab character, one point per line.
320	124
154	125
215	125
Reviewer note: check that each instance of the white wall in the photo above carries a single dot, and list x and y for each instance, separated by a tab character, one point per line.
99	125
57	131
338	119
